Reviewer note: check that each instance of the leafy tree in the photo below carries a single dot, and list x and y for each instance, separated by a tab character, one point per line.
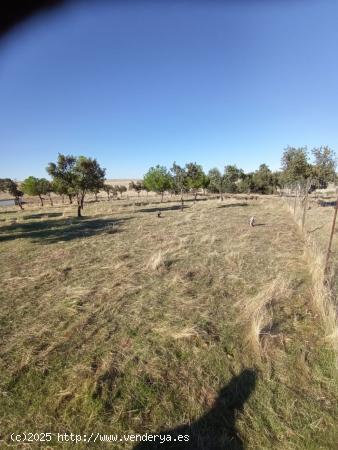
295	165
108	188
246	184
145	188
96	191
216	181
158	179
205	182
138	187
61	188
10	186
121	189
89	176
324	168
37	187
179	178
277	179
179	181
263	180
195	177
80	174
115	191
47	188
232	175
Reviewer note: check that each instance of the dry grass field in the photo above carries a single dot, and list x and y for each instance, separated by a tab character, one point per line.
123	322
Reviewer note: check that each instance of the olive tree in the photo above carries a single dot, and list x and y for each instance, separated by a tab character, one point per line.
108	189
195	178
121	188
80	174
216	181
37	187
11	187
138	187
232	176
61	188
179	181
295	165
324	167
158	179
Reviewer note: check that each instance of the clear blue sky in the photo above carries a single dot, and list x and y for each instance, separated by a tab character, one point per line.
135	84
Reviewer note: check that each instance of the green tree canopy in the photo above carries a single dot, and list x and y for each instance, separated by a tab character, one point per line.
295	165
246	184
158	179
324	167
205	182
232	175
80	174
263	180
194	177
179	179
60	187
11	187
216	181
36	187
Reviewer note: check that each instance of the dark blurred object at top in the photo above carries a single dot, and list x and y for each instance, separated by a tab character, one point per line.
12	12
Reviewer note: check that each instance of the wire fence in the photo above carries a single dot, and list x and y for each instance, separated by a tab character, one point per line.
316	214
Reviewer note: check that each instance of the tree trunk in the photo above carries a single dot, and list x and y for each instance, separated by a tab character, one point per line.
79	210
41	200
82	200
50	199
95	196
195	197
162	197
70	198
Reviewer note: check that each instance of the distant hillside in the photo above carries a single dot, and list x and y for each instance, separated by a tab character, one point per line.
122	181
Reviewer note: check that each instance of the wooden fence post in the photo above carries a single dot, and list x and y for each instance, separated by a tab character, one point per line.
307	187
331	237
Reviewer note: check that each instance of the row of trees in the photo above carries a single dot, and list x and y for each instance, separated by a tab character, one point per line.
296	169
70	175
76	176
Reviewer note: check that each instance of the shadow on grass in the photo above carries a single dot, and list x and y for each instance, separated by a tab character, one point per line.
163	208
51	231
8	212
216	429
323	203
232	205
198	199
40	215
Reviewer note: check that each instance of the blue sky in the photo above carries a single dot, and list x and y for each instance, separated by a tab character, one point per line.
135	84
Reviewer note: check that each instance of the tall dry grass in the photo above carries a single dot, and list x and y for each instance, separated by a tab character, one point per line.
322	294
257	312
